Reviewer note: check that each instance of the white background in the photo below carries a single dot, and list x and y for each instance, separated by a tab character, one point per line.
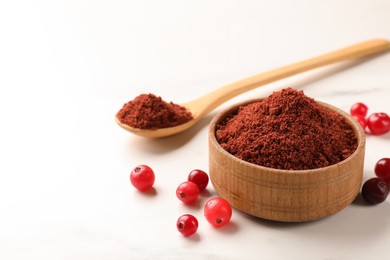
66	68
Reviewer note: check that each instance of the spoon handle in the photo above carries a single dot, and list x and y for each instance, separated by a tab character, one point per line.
208	102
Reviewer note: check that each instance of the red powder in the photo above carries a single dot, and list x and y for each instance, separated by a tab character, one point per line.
148	111
287	130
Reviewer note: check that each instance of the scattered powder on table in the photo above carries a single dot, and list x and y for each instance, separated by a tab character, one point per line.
287	130
148	111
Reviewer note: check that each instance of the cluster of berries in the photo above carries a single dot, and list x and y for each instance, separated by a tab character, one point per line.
217	211
377	123
376	189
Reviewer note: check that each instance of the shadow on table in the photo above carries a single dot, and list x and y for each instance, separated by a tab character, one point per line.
360	222
170	143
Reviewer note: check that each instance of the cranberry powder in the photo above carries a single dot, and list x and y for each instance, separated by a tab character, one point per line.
148	111
287	130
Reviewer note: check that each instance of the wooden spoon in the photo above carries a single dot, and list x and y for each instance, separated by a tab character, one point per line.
205	104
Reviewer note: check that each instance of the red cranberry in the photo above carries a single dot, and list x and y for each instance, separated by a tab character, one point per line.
378	123
375	190
200	178
382	169
359	109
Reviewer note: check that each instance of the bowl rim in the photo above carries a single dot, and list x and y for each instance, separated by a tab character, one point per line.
358	130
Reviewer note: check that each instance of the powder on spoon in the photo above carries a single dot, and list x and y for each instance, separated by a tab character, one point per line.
287	130
148	111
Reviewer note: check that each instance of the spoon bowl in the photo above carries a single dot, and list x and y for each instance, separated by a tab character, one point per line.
161	132
205	104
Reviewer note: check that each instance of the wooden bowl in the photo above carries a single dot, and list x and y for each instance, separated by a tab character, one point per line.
285	195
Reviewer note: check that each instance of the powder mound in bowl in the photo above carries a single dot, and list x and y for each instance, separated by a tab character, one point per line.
289	131
148	111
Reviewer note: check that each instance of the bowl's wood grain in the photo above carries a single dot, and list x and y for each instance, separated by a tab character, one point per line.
282	195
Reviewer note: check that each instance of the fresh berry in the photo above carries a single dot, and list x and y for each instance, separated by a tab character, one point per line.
359	109
382	169
218	212
142	177
200	178
375	190
378	123
187	192
362	121
187	225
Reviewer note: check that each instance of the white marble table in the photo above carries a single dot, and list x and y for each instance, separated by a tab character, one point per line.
68	66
